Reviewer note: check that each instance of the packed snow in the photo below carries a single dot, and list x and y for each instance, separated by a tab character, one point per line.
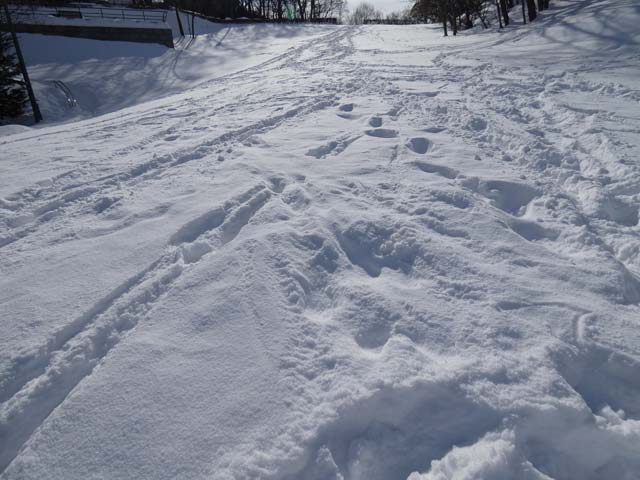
328	253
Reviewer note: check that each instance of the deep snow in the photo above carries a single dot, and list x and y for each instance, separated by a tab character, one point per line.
354	253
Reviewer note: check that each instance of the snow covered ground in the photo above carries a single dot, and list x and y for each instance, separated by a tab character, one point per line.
106	76
354	253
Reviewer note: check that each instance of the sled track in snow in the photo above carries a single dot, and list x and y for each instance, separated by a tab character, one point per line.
71	100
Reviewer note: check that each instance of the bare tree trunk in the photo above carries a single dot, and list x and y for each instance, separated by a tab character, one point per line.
454	17
444	11
467	20
301	9
499	14
524	13
540	5
531	7
483	19
505	12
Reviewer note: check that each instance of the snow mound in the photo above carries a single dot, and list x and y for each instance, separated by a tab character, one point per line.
12	129
106	76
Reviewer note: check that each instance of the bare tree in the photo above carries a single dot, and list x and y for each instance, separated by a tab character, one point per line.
504	10
456	14
531	8
365	11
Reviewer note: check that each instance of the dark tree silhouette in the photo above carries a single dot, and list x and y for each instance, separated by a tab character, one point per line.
266	9
460	14
531	8
13	95
504	9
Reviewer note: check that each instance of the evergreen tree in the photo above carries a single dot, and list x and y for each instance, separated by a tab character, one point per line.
13	95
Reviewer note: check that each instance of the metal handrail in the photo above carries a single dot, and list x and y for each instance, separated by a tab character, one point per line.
144	15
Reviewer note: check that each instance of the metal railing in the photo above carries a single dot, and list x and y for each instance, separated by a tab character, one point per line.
23	13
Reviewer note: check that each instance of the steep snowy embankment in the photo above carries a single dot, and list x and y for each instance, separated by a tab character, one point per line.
380	254
107	76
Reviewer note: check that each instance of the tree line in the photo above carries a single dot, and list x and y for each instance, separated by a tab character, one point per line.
280	10
13	94
456	15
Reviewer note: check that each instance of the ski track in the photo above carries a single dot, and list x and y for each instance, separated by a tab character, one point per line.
42	381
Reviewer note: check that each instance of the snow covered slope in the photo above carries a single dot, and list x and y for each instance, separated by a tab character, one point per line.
106	76
379	254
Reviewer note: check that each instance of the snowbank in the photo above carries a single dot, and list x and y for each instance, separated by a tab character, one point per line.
108	76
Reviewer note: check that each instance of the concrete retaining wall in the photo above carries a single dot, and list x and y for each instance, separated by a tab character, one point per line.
163	36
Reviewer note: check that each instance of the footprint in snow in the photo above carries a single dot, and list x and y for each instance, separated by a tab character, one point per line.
441	170
382	133
375	122
418	145
508	196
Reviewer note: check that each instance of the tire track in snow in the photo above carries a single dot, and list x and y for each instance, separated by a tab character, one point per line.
43	379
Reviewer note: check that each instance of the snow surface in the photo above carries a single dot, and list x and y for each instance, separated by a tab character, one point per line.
353	253
106	76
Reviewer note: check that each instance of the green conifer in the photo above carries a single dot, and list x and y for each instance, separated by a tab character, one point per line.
13	94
